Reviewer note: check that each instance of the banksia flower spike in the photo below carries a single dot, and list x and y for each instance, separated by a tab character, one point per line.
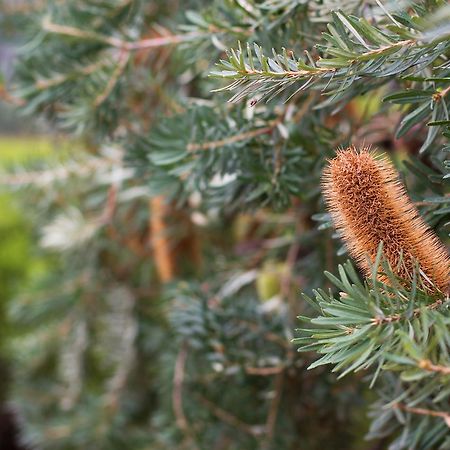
369	205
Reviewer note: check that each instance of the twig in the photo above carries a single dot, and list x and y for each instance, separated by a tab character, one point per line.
161	242
304	108
22	7
211	145
121	64
164	40
230	419
249	73
424	412
291	259
428	365
264	371
60	79
110	205
440	95
427	202
8	98
44	177
273	411
177	393
66	30
397	317
268	335
85	278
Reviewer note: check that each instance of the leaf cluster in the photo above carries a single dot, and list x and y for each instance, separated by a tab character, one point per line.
386	330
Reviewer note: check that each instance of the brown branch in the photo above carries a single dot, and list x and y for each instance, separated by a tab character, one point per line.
304	73
264	371
60	79
66	30
397	317
163	41
268	335
44	177
304	108
22	7
273	411
230	419
82	280
177	394
160	241
8	98
110	205
428	203
426	364
211	145
440	95
291	259
121	64
424	412
142	44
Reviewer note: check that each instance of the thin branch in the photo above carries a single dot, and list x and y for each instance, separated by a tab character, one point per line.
251	72
45	177
66	30
211	145
8	98
22	7
424	412
230	419
272	337
121	64
273	411
164	40
440	95
291	259
177	393
428	365
397	317
271	76
60	79
110	205
264	371
160	239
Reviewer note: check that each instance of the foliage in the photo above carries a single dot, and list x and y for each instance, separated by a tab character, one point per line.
108	354
19	263
397	335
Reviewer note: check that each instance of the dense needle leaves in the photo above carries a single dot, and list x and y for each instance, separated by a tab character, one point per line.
225	196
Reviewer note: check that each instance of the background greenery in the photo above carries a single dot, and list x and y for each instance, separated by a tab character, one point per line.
155	259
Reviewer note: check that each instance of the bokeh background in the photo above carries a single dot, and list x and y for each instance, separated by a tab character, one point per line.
155	238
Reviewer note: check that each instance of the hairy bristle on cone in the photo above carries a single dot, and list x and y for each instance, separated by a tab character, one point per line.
369	205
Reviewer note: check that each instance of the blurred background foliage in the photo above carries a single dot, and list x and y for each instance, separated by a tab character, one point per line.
159	237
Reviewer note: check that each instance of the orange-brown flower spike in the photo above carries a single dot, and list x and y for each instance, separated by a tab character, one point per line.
368	205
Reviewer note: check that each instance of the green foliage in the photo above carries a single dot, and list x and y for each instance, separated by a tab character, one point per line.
228	158
18	262
400	336
220	331
109	357
357	57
